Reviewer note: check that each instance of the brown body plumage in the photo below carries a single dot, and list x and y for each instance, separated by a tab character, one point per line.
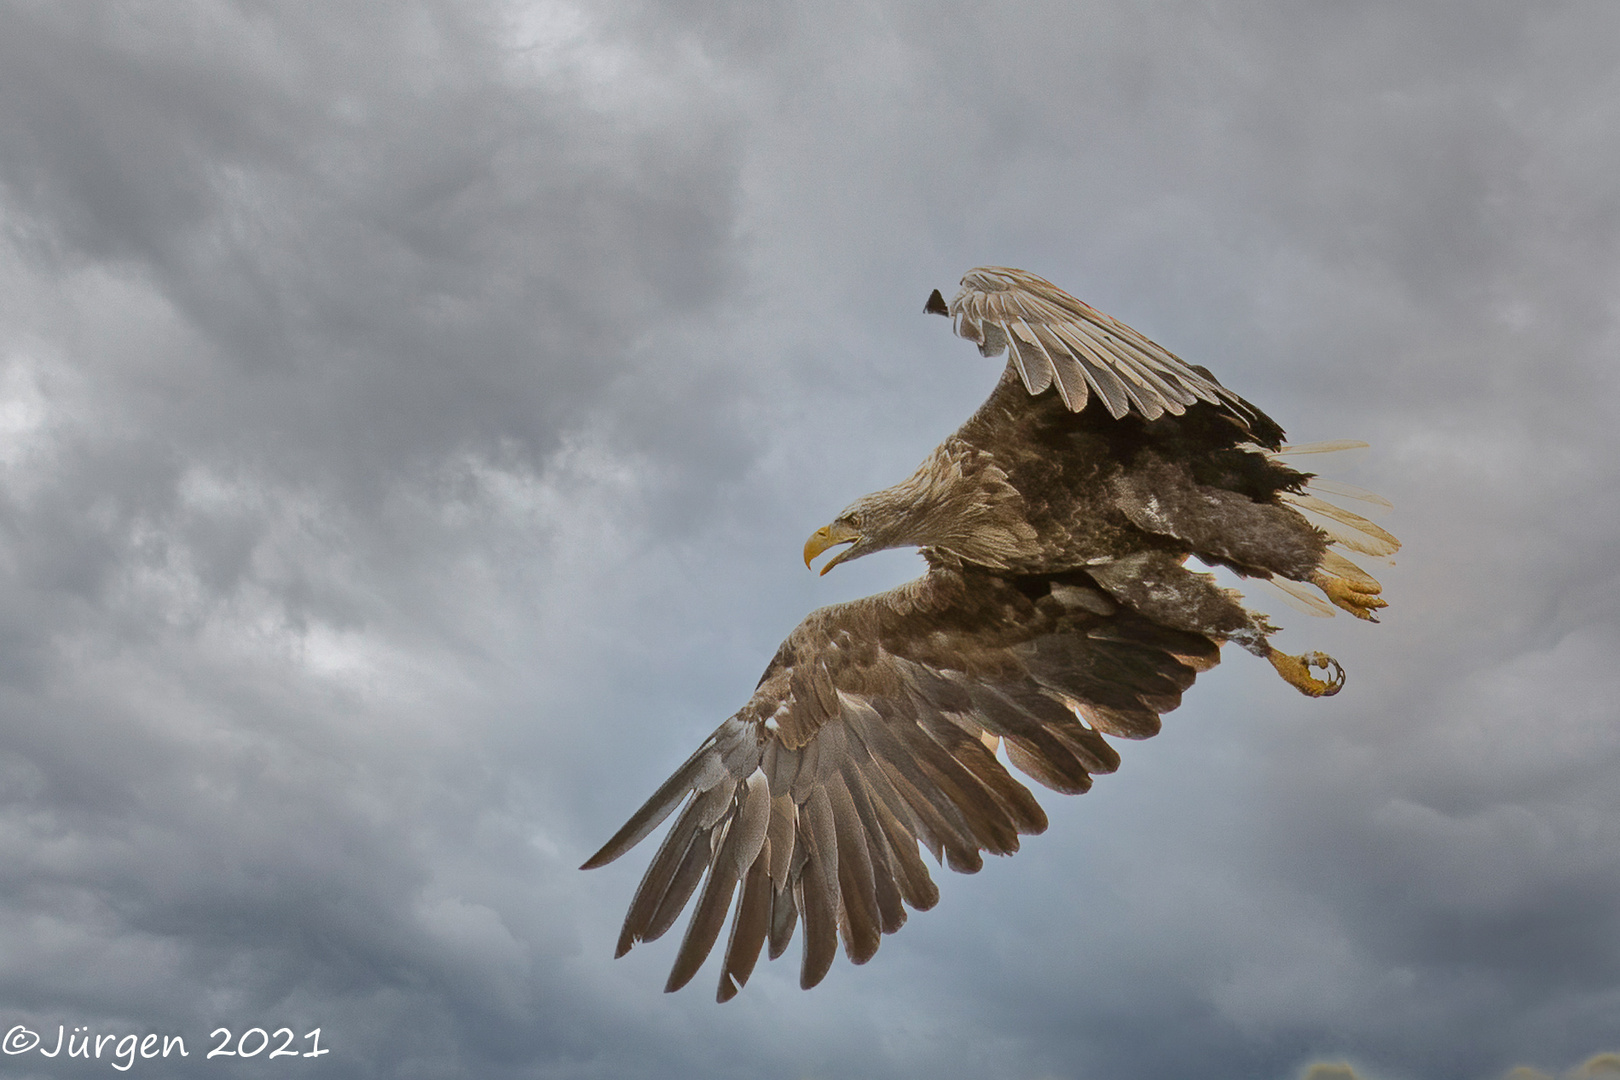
1056	610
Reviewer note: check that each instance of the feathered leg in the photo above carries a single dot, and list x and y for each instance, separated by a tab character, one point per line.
1261	538
1155	584
1258	538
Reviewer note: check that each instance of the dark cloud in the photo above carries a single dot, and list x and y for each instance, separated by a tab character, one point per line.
410	415
1596	1066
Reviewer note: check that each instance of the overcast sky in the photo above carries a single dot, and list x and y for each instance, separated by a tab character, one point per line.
410	416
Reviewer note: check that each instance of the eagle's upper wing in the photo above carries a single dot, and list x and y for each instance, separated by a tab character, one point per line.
1058	340
875	728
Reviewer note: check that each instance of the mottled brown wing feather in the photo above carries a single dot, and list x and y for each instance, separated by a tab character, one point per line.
875	730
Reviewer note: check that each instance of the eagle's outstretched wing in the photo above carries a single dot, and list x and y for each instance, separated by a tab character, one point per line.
1056	340
874	728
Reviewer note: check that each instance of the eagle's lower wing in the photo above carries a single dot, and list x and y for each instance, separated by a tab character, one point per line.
1057	340
875	728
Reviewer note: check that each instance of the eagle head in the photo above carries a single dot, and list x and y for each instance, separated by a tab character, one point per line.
954	504
868	524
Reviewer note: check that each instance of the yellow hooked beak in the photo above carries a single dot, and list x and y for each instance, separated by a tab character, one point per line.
829	536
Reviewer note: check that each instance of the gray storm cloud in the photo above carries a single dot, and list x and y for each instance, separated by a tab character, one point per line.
410	416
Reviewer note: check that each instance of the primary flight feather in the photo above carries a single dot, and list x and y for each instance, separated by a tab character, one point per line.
1056	610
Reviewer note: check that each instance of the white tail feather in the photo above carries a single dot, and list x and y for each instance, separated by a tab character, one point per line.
1295	596
1348	491
1339	566
1344	527
1329	447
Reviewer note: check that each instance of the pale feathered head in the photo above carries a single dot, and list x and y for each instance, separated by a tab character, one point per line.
956	503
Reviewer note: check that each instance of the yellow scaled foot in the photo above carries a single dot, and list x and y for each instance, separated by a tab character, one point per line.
1359	597
1297	670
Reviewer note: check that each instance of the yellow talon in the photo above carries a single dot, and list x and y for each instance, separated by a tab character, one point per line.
1297	670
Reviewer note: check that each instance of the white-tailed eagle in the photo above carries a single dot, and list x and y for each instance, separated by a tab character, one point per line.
1056	610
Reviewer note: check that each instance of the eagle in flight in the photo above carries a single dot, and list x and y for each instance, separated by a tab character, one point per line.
1056	610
